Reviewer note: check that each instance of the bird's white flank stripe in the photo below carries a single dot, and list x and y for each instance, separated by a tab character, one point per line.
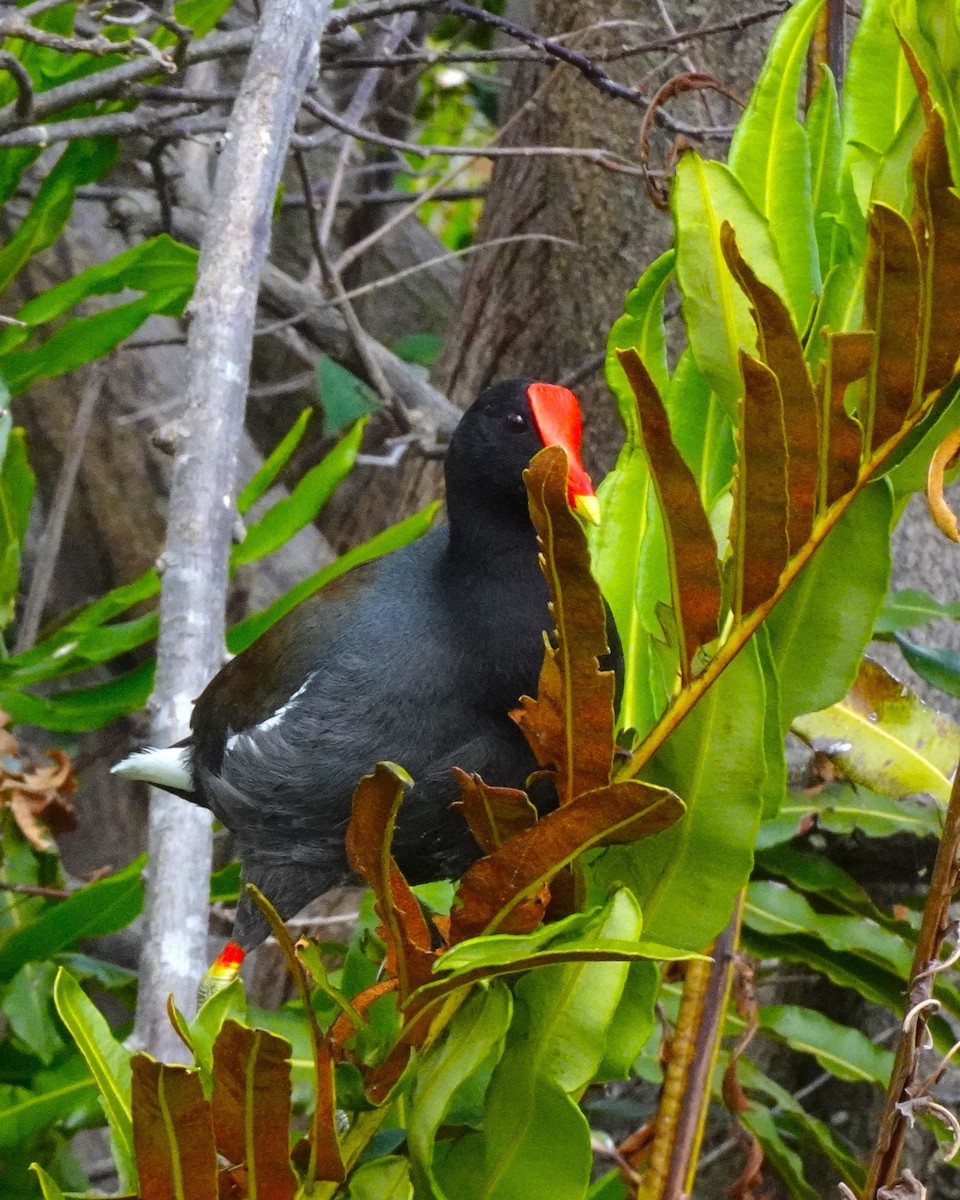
165	768
270	722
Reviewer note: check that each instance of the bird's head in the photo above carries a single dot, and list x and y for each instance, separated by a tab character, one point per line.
502	431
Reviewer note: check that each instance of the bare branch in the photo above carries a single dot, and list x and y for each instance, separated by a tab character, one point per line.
23	105
190	645
48	550
603	158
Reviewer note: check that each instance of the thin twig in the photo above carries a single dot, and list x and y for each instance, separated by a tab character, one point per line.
48	549
23	105
32	889
355	111
333	281
603	158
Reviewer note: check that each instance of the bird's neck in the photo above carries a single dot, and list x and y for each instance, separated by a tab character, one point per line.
490	533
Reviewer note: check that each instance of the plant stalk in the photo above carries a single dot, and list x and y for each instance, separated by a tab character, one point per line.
680	1121
895	1120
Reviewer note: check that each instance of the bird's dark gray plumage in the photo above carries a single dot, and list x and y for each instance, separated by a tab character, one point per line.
415	658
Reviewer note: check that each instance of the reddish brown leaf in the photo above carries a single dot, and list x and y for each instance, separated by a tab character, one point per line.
326	1161
891	308
570	724
780	349
494	814
251	1107
691	549
761	507
847	360
343	1028
172	1133
493	888
369	836
936	221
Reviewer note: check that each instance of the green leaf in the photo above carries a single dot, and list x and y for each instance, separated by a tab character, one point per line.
569	1007
16	496
474	1036
159	265
819	629
535	1142
907	608
845	1052
702	430
91	911
770	156
686	879
49	1188
109	1063
878	88
887	738
88	649
311	493
81	709
263	479
640	328
343	397
628	559
630	1027
792	1121
227	1004
813	873
53	1096
28	1007
825	142
82	162
941	668
247	631
199	15
777	911
705	194
610	1187
786	1162
382	1179
422	348
842	809
84	339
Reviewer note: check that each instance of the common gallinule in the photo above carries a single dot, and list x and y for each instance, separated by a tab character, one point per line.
416	658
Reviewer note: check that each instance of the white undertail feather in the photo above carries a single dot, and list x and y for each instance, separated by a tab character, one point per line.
165	768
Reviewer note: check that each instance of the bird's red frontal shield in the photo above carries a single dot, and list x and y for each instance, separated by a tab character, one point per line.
559	421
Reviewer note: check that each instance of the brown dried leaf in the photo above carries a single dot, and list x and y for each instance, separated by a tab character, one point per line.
252	1107
493	888
369	837
847	360
758	534
172	1132
9	746
780	349
57	777
691	549
892	310
751	1176
494	814
570	724
40	815
936	222
940	511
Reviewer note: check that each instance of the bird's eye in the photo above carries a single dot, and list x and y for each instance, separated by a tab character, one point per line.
516	420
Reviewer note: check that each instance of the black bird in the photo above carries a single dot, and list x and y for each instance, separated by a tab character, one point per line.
417	657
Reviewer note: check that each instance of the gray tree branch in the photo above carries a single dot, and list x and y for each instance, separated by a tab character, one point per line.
283	61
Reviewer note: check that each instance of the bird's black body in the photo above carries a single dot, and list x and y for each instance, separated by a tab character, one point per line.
415	658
